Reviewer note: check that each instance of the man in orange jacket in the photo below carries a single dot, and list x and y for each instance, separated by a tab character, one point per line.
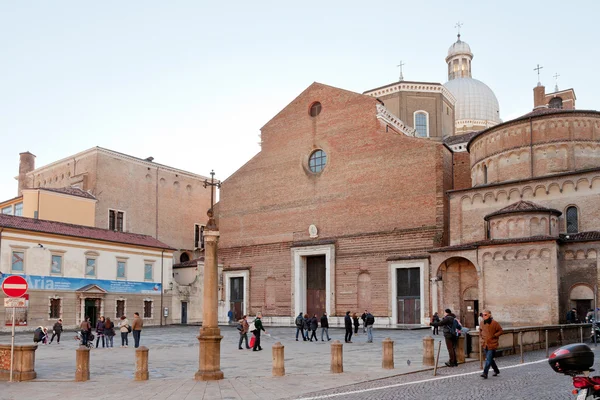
489	333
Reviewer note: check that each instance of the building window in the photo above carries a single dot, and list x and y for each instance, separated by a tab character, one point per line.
422	123
147	308
18	258
56	265
116	220
7	210
198	236
315	109
317	161
485	175
54	308
148	272
19	209
121	269
120	311
90	267
572	220
556	103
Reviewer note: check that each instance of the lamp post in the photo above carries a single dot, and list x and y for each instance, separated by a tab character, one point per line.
210	334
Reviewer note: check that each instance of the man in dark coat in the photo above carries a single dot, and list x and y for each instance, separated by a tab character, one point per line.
300	326
325	327
57	330
258	327
363	317
449	336
314	325
348	326
572	316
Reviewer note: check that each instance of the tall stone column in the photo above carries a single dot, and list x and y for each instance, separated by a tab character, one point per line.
210	334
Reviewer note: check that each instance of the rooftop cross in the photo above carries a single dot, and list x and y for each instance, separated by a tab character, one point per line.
212	184
400	65
538	72
556	82
458	26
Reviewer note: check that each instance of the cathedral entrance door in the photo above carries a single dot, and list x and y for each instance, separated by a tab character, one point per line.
408	283
236	300
315	285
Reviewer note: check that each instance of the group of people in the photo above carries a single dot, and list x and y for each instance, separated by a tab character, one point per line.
308	327
352	321
40	335
256	327
105	331
573	317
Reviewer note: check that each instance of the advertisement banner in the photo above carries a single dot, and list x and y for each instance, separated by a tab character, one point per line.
20	312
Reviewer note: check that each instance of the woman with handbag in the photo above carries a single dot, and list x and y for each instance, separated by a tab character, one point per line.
124	328
109	332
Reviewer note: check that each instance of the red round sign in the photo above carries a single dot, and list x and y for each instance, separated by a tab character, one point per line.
14	286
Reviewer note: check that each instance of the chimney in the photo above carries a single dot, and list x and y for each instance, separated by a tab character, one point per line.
26	165
539	96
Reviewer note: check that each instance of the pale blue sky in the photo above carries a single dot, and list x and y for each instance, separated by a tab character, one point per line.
191	82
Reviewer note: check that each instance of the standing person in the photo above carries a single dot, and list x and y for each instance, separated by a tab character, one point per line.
124	328
243	332
348	326
137	326
572	316
258	327
305	326
230	316
300	326
56	331
314	325
325	327
109	332
85	327
589	317
363	317
480	320
100	331
369	321
356	323
490	333
435	318
449	336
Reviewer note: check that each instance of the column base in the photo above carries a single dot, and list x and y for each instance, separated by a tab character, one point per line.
210	355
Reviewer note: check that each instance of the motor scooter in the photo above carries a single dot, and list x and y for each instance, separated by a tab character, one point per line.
576	360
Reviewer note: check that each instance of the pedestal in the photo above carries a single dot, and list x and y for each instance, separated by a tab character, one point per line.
428	358
82	364
460	350
210	355
278	357
141	364
23	363
337	357
388	354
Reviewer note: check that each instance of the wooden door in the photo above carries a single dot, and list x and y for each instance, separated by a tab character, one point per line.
315	285
236	298
469	314
408	286
184	312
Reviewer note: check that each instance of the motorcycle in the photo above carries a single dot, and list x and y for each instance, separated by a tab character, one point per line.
596	331
576	360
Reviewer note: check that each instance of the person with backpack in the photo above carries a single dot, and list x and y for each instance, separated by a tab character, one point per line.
300	326
369	322
124	328
86	329
449	329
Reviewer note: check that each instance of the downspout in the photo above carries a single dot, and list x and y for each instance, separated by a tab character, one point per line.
162	288
36	215
531	146
156	204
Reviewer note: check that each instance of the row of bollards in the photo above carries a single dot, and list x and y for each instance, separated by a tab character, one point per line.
82	364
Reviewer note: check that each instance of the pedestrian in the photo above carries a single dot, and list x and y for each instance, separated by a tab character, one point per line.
589	317
305	326
434	319
325	327
450	337
136	327
572	316
300	326
86	328
363	317
369	321
356	323
124	328
56	331
230	316
314	325
100	331
109	332
490	333
258	327
348	326
480	320
243	328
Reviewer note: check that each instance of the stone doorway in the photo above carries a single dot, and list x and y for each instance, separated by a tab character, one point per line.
581	298
408	295
458	290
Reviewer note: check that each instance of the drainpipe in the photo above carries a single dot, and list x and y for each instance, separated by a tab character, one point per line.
156	205
162	289
531	147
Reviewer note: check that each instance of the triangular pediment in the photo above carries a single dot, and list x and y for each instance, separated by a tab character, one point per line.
91	288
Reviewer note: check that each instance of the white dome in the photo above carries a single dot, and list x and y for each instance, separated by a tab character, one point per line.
474	100
459	47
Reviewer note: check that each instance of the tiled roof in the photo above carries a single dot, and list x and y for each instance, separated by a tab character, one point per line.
456	139
73	191
189	263
491	242
80	231
581	236
522	206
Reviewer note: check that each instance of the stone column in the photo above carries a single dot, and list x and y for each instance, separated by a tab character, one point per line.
141	364
388	354
460	349
278	357
82	364
337	357
210	334
428	358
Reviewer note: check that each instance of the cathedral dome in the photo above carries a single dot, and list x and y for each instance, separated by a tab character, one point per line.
474	100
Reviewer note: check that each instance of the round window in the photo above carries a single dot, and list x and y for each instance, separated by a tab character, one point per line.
317	161
315	109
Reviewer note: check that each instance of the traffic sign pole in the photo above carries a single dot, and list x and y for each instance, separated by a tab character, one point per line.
14	286
12	347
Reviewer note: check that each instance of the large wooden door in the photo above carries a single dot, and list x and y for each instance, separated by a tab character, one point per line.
470	314
236	298
315	285
408	284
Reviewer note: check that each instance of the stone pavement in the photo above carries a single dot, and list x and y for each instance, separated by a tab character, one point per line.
173	360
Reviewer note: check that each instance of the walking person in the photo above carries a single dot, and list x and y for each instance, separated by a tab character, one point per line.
490	333
348	326
572	316
124	328
314	325
369	322
136	327
243	328
435	318
450	337
363	317
86	328
230	316
325	327
305	326
100	331
258	327
109	332
300	326
356	323
56	331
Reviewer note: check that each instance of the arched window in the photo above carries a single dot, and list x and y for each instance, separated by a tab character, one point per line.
485	174
184	257
422	123
315	109
572	224
556	103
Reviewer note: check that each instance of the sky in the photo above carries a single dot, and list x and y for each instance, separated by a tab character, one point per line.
191	83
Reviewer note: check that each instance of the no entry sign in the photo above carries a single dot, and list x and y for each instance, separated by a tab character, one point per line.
14	286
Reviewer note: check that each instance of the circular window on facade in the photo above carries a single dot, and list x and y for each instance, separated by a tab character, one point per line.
315	109
317	161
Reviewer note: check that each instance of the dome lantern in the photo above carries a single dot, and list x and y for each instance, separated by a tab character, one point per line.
459	60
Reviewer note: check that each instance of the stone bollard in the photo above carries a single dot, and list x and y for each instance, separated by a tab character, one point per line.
141	364
460	349
337	357
428	358
82	364
278	357
388	354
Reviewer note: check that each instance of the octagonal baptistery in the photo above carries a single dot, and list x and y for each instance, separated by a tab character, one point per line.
543	142
521	220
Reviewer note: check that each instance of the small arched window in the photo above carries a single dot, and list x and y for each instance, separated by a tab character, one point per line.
572	220
556	103
485	178
315	109
422	124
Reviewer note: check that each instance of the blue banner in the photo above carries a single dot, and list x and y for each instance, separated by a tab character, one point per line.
62	283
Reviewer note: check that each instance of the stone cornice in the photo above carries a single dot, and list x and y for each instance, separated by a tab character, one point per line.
385	115
412	87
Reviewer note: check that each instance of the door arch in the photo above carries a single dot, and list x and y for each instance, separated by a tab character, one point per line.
581	297
458	289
